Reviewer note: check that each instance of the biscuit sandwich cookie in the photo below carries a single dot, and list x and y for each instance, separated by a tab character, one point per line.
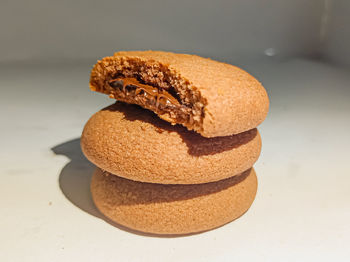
209	97
134	143
174	153
172	209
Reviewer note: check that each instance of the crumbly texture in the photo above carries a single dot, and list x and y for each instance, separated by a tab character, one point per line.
219	99
173	209
134	143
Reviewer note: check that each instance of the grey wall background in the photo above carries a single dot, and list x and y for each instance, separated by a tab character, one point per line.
40	30
337	45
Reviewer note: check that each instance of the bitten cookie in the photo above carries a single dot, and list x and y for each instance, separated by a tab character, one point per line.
173	209
210	97
134	143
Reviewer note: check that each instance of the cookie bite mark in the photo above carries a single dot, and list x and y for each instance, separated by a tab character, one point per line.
151	85
150	93
160	101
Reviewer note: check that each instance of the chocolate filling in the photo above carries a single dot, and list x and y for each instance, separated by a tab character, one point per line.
131	90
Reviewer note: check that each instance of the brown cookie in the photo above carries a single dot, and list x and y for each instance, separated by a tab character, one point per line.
172	209
134	143
210	97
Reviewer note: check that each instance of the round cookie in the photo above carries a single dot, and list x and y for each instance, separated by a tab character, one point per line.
134	143
210	97
173	209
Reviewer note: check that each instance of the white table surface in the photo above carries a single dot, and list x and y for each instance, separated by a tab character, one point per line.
301	212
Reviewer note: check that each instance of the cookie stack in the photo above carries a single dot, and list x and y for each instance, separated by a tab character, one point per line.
174	154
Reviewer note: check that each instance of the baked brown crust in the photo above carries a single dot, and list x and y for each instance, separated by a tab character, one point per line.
223	99
134	143
173	209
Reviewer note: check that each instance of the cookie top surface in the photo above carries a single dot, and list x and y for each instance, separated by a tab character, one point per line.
216	99
134	143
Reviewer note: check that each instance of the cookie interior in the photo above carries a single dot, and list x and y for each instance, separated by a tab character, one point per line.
153	86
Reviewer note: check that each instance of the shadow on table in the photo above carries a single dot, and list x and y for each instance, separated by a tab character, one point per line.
74	182
74	179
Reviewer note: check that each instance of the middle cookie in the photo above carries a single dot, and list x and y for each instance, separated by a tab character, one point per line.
134	143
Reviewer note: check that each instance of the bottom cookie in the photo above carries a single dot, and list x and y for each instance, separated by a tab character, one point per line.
173	209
